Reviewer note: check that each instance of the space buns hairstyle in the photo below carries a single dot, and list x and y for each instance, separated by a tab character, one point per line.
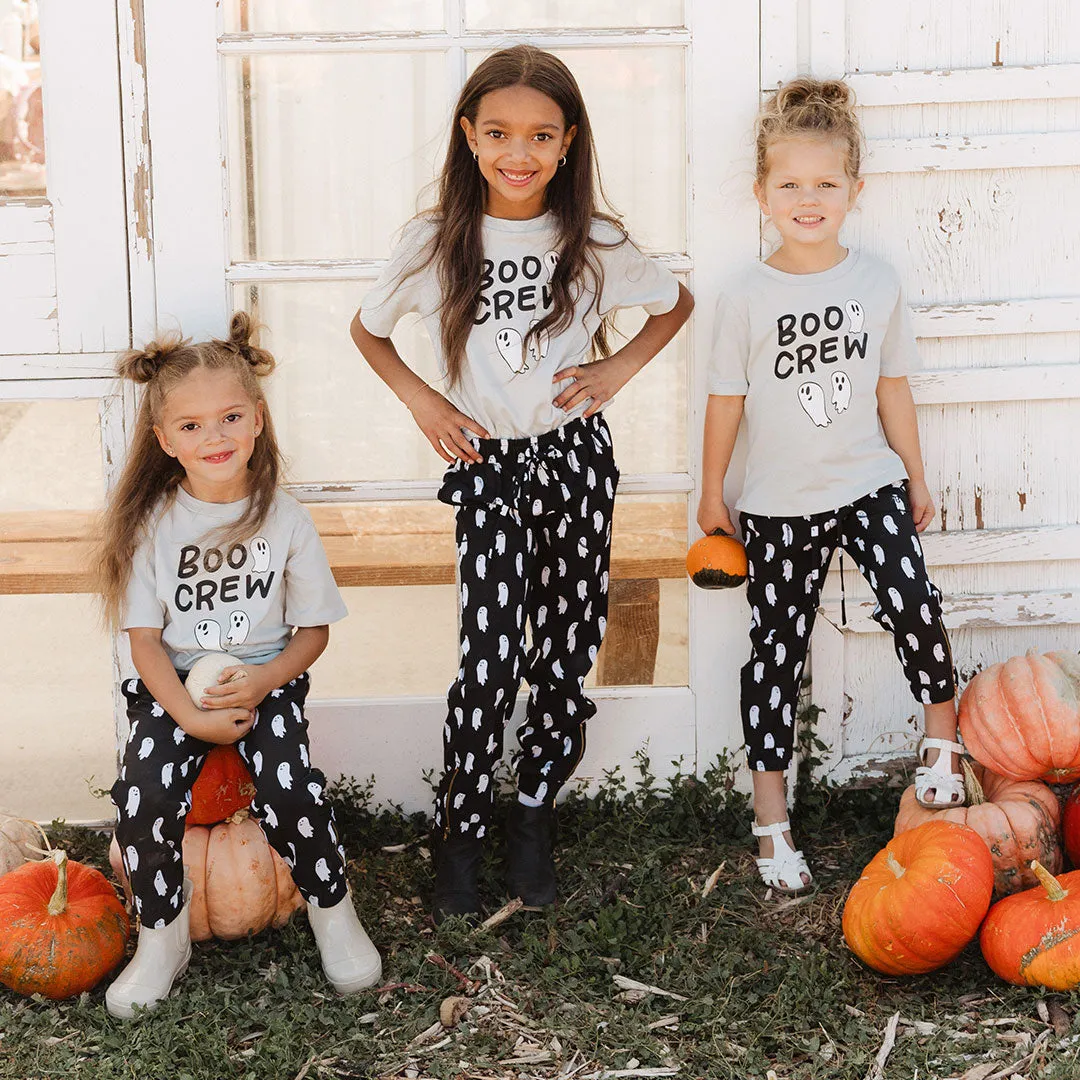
809	108
150	476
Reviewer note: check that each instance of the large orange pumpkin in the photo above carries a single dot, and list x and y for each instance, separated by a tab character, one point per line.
62	928
920	900
1022	718
240	885
223	786
1018	819
1033	938
717	561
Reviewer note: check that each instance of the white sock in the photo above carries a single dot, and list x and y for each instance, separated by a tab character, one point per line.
529	800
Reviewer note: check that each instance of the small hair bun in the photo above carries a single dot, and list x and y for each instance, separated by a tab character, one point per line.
801	93
141	365
242	331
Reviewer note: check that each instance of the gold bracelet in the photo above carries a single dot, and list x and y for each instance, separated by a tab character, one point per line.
419	390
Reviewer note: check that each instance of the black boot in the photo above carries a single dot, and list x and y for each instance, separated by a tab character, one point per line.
457	873
530	858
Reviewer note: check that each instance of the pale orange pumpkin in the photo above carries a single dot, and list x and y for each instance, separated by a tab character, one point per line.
1018	819
18	839
240	885
1021	718
717	561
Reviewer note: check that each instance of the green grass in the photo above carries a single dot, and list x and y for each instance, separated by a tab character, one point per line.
768	983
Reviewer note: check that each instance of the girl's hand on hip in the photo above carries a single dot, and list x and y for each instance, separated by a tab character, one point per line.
221	726
441	422
601	381
922	504
712	514
241	686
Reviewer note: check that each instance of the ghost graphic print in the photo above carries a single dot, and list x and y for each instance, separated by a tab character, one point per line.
508	342
856	316
812	400
841	391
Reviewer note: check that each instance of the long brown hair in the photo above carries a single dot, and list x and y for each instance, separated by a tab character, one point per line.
809	108
575	197
151	477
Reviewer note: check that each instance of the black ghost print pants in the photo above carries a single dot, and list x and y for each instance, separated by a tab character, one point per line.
533	542
787	559
153	795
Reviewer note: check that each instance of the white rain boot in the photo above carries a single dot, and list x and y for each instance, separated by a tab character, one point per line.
349	960
161	957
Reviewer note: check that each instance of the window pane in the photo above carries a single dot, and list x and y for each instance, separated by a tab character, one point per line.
50	456
22	137
637	107
343	16
559	14
337	421
328	153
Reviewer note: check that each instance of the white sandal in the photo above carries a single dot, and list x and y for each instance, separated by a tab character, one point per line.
939	776
784	869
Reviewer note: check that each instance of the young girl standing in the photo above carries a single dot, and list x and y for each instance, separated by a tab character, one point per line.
203	552
514	273
814	346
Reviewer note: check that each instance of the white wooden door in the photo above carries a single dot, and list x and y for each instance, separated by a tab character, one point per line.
328	119
971	114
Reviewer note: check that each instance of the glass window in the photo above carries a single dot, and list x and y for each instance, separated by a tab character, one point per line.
559	14
328	153
337	421
22	135
342	16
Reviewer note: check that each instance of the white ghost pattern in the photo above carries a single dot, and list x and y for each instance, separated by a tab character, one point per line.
303	827
508	343
159	884
841	391
895	597
155	831
277	726
239	628
905	565
132	857
854	311
322	870
260	554
755	716
284	776
939	653
146	748
812	400
890	525
167	775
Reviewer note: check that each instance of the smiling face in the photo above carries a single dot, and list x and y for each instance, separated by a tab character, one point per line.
519	136
209	424
807	193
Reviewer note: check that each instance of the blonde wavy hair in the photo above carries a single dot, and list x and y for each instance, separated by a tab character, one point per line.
151	477
809	108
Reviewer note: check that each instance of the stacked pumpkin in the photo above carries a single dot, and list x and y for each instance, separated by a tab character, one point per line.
1021	722
240	885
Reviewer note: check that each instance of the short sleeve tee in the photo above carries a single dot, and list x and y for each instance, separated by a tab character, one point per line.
244	598
807	350
506	386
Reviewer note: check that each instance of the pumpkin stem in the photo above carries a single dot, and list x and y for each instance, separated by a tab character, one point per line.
894	866
1048	882
972	788
58	903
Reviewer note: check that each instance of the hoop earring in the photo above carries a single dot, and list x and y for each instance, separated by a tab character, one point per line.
476	157
562	161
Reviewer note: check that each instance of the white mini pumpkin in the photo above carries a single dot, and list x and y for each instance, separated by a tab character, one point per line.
18	838
205	671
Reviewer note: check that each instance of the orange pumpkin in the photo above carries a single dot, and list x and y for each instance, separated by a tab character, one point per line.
716	561
62	928
1022	718
1070	828
240	885
1033	938
920	900
224	786
1018	819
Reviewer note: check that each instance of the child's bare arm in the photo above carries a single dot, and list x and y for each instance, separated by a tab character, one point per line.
602	379
303	649
156	671
440	421
896	408
722	416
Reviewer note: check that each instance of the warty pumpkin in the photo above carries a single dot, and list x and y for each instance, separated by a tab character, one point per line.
240	885
62	928
1018	820
1033	937
223	787
717	561
1021	718
920	900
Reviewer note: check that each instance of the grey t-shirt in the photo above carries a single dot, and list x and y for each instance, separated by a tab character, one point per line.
807	350
242	599
507	390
